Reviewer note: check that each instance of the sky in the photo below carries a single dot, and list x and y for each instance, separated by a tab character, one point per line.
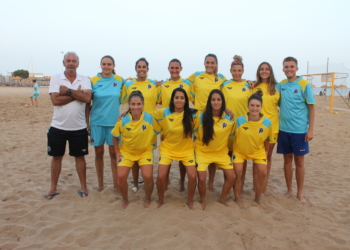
161	30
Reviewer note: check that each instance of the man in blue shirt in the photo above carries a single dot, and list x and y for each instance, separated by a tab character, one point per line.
297	116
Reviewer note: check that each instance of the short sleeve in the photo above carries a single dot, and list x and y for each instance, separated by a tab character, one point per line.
158	114
156	126
54	85
310	99
116	132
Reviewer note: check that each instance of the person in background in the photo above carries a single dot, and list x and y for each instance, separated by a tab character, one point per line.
35	94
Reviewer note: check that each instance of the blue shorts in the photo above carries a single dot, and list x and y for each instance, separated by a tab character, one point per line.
101	134
292	143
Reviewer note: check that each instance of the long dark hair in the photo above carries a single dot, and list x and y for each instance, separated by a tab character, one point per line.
187	120
272	81
208	121
113	71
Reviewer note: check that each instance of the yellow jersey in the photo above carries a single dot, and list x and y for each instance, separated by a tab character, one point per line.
236	96
174	143
149	90
167	88
249	136
223	129
269	105
201	86
136	137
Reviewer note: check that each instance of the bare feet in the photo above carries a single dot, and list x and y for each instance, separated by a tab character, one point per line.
239	203
160	203
100	188
125	204
190	204
260	204
265	192
223	202
288	194
182	186
211	187
301	199
204	204
147	203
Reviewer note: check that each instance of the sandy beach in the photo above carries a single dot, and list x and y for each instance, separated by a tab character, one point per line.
28	221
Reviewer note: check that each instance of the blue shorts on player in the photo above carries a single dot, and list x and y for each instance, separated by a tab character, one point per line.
289	143
101	134
35	95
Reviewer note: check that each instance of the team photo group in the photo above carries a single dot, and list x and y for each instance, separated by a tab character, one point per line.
206	122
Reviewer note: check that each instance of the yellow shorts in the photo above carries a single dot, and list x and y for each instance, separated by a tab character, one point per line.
259	159
187	160
274	138
221	161
230	144
128	159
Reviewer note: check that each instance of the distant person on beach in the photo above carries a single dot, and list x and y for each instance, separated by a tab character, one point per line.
35	94
253	132
177	124
70	93
106	98
297	117
212	131
132	136
266	82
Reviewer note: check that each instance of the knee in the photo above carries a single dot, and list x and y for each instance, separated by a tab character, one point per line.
263	173
57	158
191	176
147	177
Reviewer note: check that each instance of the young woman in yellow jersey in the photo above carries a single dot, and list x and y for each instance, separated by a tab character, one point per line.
177	124
237	92
135	132
150	91
202	83
251	142
166	90
265	82
212	130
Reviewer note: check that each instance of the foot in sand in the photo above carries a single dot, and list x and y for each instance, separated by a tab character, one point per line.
204	204
147	203
258	202
301	199
50	196
288	194
125	204
160	203
82	194
239	203
190	204
223	202
99	189
265	192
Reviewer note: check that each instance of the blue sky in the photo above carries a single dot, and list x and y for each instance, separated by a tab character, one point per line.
161	30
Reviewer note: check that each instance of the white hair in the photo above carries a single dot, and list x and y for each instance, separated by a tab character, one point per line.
70	53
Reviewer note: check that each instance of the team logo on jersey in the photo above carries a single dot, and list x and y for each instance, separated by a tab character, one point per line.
115	84
224	125
48	148
244	89
295	91
181	86
283	89
149	86
134	87
149	160
261	130
229	87
245	128
167	86
171	120
201	77
216	79
92	140
128	129
144	127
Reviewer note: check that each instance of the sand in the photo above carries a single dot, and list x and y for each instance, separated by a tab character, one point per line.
27	221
